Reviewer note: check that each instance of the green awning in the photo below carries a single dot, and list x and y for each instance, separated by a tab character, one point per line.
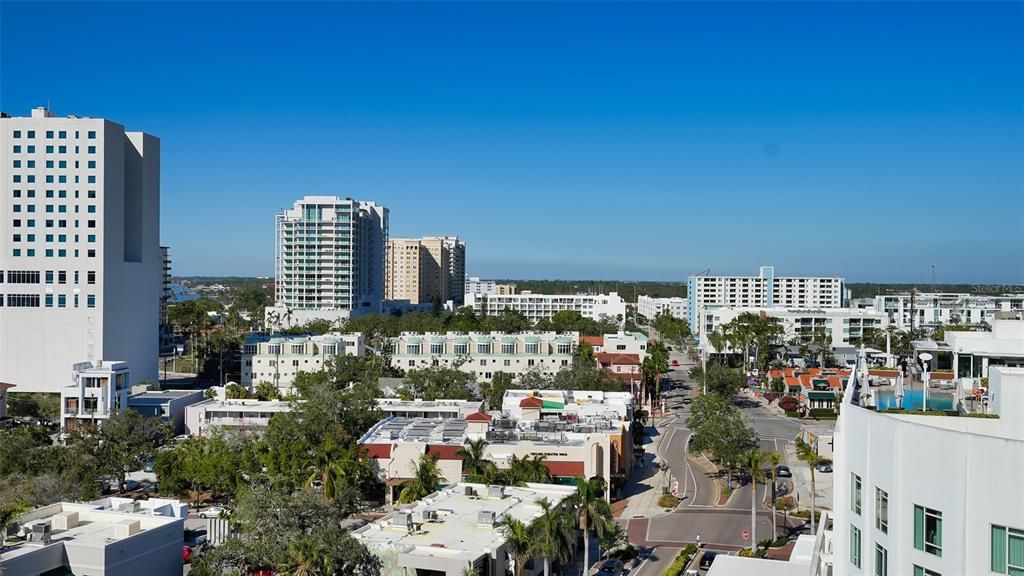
551	405
532	339
564	339
508	339
461	340
821	396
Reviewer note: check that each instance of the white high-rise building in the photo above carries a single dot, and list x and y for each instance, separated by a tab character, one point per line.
79	248
931	309
650	307
329	259
762	291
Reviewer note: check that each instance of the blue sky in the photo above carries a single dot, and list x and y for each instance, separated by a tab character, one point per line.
568	140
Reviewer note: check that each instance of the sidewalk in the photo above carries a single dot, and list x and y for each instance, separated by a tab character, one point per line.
645	487
802	481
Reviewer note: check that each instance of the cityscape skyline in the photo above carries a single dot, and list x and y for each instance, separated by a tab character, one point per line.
649	149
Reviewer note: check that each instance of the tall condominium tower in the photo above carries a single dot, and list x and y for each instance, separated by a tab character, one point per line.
330	257
420	268
80	259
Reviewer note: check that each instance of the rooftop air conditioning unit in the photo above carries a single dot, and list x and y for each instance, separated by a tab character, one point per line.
403	519
494	491
430	515
40	533
470	491
486	518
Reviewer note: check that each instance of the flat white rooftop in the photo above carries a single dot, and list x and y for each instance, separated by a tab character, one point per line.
738	566
457	532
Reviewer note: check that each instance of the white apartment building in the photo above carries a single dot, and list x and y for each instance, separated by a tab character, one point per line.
457	529
80	256
537	306
930	310
762	291
83	538
931	495
484	354
399	408
651	308
96	391
582	403
278	359
474	285
845	325
329	260
239	416
621	342
971	354
417	269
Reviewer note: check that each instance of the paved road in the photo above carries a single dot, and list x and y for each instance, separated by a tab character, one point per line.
656	562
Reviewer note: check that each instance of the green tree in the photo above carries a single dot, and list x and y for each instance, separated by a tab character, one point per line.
554	533
720	429
529	468
595	512
584	355
435	305
754	459
426	476
773	459
474	459
122	444
518	540
235	391
464	320
266	391
495	391
809	454
438	382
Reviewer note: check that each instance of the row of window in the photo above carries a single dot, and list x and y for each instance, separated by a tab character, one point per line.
508	363
52	238
90	301
61	208
17	193
52	253
52	163
60	179
31	149
459	349
50	134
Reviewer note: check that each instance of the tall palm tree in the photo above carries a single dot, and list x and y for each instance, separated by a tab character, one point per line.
473	459
807	453
426	477
554	534
753	459
594	512
519	541
774	459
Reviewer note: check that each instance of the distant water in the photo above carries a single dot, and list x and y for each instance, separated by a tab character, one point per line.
181	294
912	400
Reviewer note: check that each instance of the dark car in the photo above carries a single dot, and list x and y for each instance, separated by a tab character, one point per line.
707	559
610	567
783	471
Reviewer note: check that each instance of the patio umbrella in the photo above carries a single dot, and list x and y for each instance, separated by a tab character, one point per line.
899	389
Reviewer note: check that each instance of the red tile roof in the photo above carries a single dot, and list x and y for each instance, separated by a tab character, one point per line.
378	450
592	340
570	468
531	402
612	359
444	451
478	417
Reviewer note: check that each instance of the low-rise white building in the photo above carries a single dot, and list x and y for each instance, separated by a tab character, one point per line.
239	416
474	285
96	391
66	538
484	354
429	408
931	309
457	529
845	326
278	359
167	405
537	306
650	307
619	343
974	353
581	403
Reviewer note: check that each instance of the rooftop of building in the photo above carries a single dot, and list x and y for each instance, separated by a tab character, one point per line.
617	359
511	336
84	524
420	403
726	565
327	338
246	404
454	525
500	429
571	397
163	394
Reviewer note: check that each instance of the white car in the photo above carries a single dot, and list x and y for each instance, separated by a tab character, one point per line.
214	512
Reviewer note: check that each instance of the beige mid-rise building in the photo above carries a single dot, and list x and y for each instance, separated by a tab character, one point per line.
417	269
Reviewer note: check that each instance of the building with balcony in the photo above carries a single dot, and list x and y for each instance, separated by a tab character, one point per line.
478	287
582	435
278	359
242	417
418	269
80	250
650	308
484	354
705	293
536	306
329	260
933	309
167	405
398	408
845	326
96	391
971	354
457	529
66	538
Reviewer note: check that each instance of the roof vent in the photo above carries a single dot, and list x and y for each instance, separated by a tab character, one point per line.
65	520
40	533
126	528
403	519
470	491
494	491
486	518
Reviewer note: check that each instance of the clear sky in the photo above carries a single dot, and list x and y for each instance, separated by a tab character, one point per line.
570	140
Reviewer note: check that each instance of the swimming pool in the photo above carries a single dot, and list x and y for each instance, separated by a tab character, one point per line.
937	400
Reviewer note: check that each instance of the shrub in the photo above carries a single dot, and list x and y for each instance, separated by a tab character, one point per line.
668	501
789	404
682	560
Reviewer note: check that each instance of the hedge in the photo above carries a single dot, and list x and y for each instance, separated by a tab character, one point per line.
682	560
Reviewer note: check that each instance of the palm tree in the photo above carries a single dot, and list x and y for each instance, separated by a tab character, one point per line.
554	534
426	477
774	459
473	458
753	459
528	469
594	512
519	541
470	571
809	454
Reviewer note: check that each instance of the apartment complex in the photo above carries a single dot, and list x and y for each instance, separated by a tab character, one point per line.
927	495
399	408
167	405
580	434
651	308
762	291
418	269
242	417
537	306
457	529
66	538
474	285
278	359
97	390
845	326
329	261
484	354
166	295
929	310
80	256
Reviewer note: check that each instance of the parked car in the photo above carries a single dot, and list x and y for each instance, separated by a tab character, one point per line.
707	559
782	471
824	467
131	485
214	512
610	567
687	400
675	362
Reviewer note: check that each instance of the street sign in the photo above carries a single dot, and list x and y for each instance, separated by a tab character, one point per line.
746	535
